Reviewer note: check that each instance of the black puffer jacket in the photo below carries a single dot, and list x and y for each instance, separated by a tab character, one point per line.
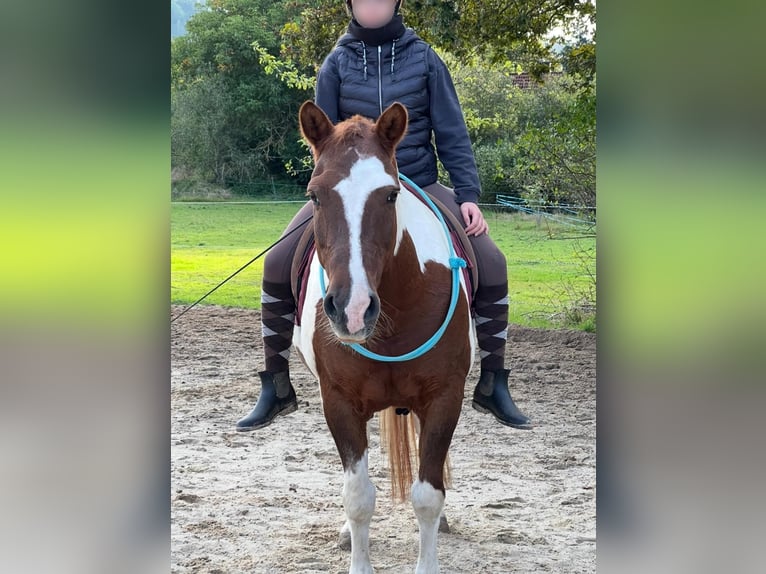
359	79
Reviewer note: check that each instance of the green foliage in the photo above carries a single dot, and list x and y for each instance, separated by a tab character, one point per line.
285	70
231	120
495	164
556	162
486	93
312	31
495	30
580	61
199	130
535	142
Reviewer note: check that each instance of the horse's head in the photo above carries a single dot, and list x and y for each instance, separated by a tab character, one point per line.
354	188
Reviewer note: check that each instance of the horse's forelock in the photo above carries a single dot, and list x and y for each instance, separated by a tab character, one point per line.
356	132
353	139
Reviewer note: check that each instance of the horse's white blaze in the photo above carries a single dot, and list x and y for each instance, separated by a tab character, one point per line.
303	335
366	175
359	502
428	504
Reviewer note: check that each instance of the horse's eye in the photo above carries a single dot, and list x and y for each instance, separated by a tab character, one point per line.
313	197
392	196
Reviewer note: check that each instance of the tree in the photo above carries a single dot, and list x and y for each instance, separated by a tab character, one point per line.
217	78
495	30
556	162
537	143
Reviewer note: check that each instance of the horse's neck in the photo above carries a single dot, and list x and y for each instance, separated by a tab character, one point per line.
413	285
415	219
416	280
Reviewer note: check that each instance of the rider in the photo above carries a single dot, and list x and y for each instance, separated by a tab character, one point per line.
376	62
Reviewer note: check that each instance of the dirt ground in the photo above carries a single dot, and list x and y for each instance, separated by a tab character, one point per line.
270	501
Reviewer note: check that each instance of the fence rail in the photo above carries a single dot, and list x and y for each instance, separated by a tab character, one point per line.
565	214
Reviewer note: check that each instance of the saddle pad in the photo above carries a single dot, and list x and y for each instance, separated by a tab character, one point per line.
299	273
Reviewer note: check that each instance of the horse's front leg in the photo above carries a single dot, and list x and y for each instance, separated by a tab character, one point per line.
349	430
437	426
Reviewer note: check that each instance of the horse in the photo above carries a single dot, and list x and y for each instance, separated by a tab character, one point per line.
381	280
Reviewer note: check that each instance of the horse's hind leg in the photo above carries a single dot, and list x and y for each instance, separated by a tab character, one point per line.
437	426
350	433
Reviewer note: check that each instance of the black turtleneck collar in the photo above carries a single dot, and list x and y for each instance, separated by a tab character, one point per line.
377	36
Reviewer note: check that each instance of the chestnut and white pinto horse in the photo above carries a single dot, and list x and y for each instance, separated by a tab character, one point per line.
386	262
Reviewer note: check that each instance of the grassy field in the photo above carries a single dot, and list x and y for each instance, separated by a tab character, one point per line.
209	241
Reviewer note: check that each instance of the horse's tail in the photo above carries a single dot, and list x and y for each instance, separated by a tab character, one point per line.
398	438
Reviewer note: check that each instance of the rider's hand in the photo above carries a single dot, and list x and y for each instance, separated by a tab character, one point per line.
473	218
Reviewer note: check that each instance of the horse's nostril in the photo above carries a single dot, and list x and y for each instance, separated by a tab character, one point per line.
329	306
372	310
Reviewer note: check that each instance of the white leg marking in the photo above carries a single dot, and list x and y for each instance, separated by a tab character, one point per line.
428	504
366	175
359	502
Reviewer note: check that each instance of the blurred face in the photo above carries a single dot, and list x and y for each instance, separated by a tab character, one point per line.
373	13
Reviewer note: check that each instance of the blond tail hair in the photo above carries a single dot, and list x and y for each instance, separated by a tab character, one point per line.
399	440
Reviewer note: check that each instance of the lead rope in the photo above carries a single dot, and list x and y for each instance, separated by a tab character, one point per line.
285	236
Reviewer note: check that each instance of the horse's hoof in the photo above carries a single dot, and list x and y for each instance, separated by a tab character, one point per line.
443	524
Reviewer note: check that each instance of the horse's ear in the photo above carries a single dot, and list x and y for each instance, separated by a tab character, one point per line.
392	125
315	125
